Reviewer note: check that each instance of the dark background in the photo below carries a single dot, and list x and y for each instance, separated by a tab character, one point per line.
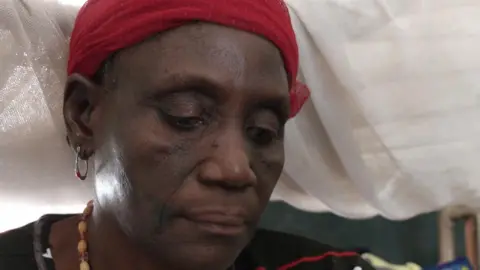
414	240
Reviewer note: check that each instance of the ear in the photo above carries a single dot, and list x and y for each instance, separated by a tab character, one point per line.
81	113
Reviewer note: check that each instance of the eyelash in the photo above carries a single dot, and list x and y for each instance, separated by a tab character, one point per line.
255	134
185	124
260	134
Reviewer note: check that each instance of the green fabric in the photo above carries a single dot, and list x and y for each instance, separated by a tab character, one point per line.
396	241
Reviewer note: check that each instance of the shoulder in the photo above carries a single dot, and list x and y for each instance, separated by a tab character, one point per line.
17	241
284	251
16	249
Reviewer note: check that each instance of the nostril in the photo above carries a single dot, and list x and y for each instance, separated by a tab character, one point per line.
234	186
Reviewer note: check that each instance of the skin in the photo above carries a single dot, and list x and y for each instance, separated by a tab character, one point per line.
187	125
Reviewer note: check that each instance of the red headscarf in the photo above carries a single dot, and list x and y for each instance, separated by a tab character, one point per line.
105	26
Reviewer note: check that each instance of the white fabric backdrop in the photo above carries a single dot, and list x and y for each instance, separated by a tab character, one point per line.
391	128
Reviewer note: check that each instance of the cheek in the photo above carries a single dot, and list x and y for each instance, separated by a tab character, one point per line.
157	158
155	161
268	165
157	166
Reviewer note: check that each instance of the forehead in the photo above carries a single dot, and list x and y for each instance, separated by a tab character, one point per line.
225	56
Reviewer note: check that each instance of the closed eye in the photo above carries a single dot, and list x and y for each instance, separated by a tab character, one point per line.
185	123
261	136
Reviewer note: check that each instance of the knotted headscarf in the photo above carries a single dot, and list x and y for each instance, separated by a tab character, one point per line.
103	27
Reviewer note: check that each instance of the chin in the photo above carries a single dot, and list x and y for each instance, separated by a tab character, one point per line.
186	245
207	256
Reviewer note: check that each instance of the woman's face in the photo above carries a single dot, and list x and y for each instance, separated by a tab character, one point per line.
188	140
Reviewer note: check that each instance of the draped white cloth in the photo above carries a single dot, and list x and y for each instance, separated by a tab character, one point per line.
391	128
393	124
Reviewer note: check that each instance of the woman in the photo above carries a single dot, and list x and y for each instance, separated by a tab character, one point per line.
181	105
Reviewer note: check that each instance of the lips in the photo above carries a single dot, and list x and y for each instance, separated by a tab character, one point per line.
228	223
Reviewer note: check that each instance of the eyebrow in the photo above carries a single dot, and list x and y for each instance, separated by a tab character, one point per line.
188	83
279	105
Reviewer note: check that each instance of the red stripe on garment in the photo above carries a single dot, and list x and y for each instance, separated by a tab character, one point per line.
315	259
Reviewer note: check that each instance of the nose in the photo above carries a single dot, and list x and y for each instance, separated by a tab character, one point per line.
229	164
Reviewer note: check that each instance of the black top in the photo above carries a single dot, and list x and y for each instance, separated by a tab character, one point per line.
27	248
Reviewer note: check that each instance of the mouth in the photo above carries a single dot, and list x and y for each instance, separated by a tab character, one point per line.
220	224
